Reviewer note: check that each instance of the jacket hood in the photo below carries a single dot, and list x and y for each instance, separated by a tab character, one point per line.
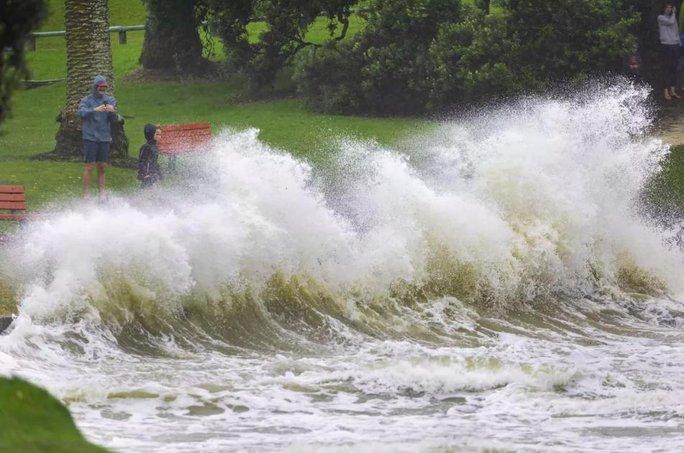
150	129
96	81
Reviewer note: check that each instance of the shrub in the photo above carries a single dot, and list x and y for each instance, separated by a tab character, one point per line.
530	47
386	69
17	20
472	61
422	55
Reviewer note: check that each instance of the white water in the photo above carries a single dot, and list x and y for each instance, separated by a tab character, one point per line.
472	288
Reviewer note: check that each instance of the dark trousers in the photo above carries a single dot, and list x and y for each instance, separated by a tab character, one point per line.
670	60
147	182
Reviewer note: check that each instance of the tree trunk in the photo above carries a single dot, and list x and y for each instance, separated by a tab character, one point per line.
89	53
484	5
172	43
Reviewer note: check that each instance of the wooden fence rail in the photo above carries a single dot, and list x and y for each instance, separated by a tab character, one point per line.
120	29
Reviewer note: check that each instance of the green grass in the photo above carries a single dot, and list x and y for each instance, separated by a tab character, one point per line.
8	303
284	123
31	420
317	32
121	12
666	191
673	174
49	60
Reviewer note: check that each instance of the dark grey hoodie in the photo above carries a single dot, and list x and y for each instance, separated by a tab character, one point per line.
149	171
96	125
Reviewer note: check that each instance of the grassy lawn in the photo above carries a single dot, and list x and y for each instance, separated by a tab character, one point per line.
49	62
667	190
121	12
284	123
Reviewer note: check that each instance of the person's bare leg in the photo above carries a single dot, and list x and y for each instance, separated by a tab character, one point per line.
101	179
673	93
87	172
666	94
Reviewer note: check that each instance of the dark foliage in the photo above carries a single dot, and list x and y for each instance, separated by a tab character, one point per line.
571	39
17	19
172	43
228	19
423	55
474	60
646	31
530	47
287	22
387	68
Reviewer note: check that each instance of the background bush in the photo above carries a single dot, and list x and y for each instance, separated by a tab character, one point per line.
386	69
423	55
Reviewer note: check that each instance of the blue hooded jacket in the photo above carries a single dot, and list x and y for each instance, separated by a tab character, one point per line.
96	125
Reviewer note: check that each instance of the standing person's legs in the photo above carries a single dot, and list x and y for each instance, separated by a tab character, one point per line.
671	56
101	160
89	156
101	178
674	59
87	173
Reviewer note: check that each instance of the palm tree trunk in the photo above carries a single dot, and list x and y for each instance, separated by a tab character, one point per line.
172	43
89	53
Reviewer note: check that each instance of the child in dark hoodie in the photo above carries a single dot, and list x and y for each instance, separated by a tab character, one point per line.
149	172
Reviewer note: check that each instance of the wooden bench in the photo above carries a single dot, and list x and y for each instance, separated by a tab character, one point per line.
12	203
179	139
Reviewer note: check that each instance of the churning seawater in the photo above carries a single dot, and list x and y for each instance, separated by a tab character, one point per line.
493	283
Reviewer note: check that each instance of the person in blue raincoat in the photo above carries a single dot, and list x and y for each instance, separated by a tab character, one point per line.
98	111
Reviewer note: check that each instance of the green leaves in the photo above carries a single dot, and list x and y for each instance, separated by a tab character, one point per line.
17	20
423	55
386	69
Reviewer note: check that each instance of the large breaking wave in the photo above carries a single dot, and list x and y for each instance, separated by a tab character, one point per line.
492	283
532	204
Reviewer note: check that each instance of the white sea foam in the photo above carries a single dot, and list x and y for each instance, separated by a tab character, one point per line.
262	303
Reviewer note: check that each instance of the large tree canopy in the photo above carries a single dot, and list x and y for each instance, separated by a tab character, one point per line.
422	55
386	69
172	43
287	22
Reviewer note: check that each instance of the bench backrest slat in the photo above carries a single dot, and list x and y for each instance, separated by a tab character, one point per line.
11	189
182	138
13	205
14	217
12	199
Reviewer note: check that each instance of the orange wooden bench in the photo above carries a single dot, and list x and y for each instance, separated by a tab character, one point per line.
183	138
12	203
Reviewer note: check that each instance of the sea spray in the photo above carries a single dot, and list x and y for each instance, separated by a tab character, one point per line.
490	284
523	203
